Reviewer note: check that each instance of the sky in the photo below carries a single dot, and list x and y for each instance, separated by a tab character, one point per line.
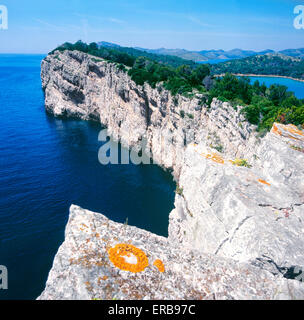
36	26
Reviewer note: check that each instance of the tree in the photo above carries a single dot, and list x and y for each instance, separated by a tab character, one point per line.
277	93
81	46
199	74
93	46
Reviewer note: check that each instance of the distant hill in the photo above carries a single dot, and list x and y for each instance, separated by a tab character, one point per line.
108	44
171	60
267	64
296	53
181	53
205	55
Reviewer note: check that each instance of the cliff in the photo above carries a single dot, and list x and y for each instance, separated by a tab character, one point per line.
249	211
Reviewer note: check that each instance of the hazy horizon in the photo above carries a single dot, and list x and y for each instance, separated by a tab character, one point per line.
193	25
157	48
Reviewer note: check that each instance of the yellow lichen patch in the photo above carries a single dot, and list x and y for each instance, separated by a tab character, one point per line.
128	258
214	157
159	265
264	182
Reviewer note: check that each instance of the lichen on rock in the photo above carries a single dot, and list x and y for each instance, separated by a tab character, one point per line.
128	258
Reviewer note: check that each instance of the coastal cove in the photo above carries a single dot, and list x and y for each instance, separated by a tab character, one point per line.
46	165
294	85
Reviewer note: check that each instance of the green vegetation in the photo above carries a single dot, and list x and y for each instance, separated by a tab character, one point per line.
179	190
218	148
263	106
241	163
190	116
180	80
104	53
297	148
269	64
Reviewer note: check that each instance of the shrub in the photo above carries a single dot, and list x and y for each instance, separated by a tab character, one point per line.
241	163
179	190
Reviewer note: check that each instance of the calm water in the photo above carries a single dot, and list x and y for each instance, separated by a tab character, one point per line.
48	164
295	86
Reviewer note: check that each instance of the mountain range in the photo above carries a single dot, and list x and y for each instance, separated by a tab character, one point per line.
206	55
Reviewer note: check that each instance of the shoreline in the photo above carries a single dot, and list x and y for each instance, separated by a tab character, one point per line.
260	75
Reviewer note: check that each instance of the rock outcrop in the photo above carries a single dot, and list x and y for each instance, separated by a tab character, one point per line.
239	196
83	269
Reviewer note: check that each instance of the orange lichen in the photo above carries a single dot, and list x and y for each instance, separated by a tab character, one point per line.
288	131
276	130
104	278
264	182
159	265
128	258
214	157
293	129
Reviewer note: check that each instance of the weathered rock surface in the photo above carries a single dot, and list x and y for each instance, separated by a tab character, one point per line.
251	214
82	268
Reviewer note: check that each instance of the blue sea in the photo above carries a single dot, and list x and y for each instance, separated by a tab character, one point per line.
47	164
297	87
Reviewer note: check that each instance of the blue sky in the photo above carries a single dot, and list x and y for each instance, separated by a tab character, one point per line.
37	26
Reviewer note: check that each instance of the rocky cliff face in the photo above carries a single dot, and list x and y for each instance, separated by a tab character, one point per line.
250	211
77	85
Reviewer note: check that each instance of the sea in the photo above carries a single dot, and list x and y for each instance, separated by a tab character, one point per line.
47	164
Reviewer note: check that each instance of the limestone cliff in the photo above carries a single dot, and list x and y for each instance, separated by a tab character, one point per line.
250	211
79	85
